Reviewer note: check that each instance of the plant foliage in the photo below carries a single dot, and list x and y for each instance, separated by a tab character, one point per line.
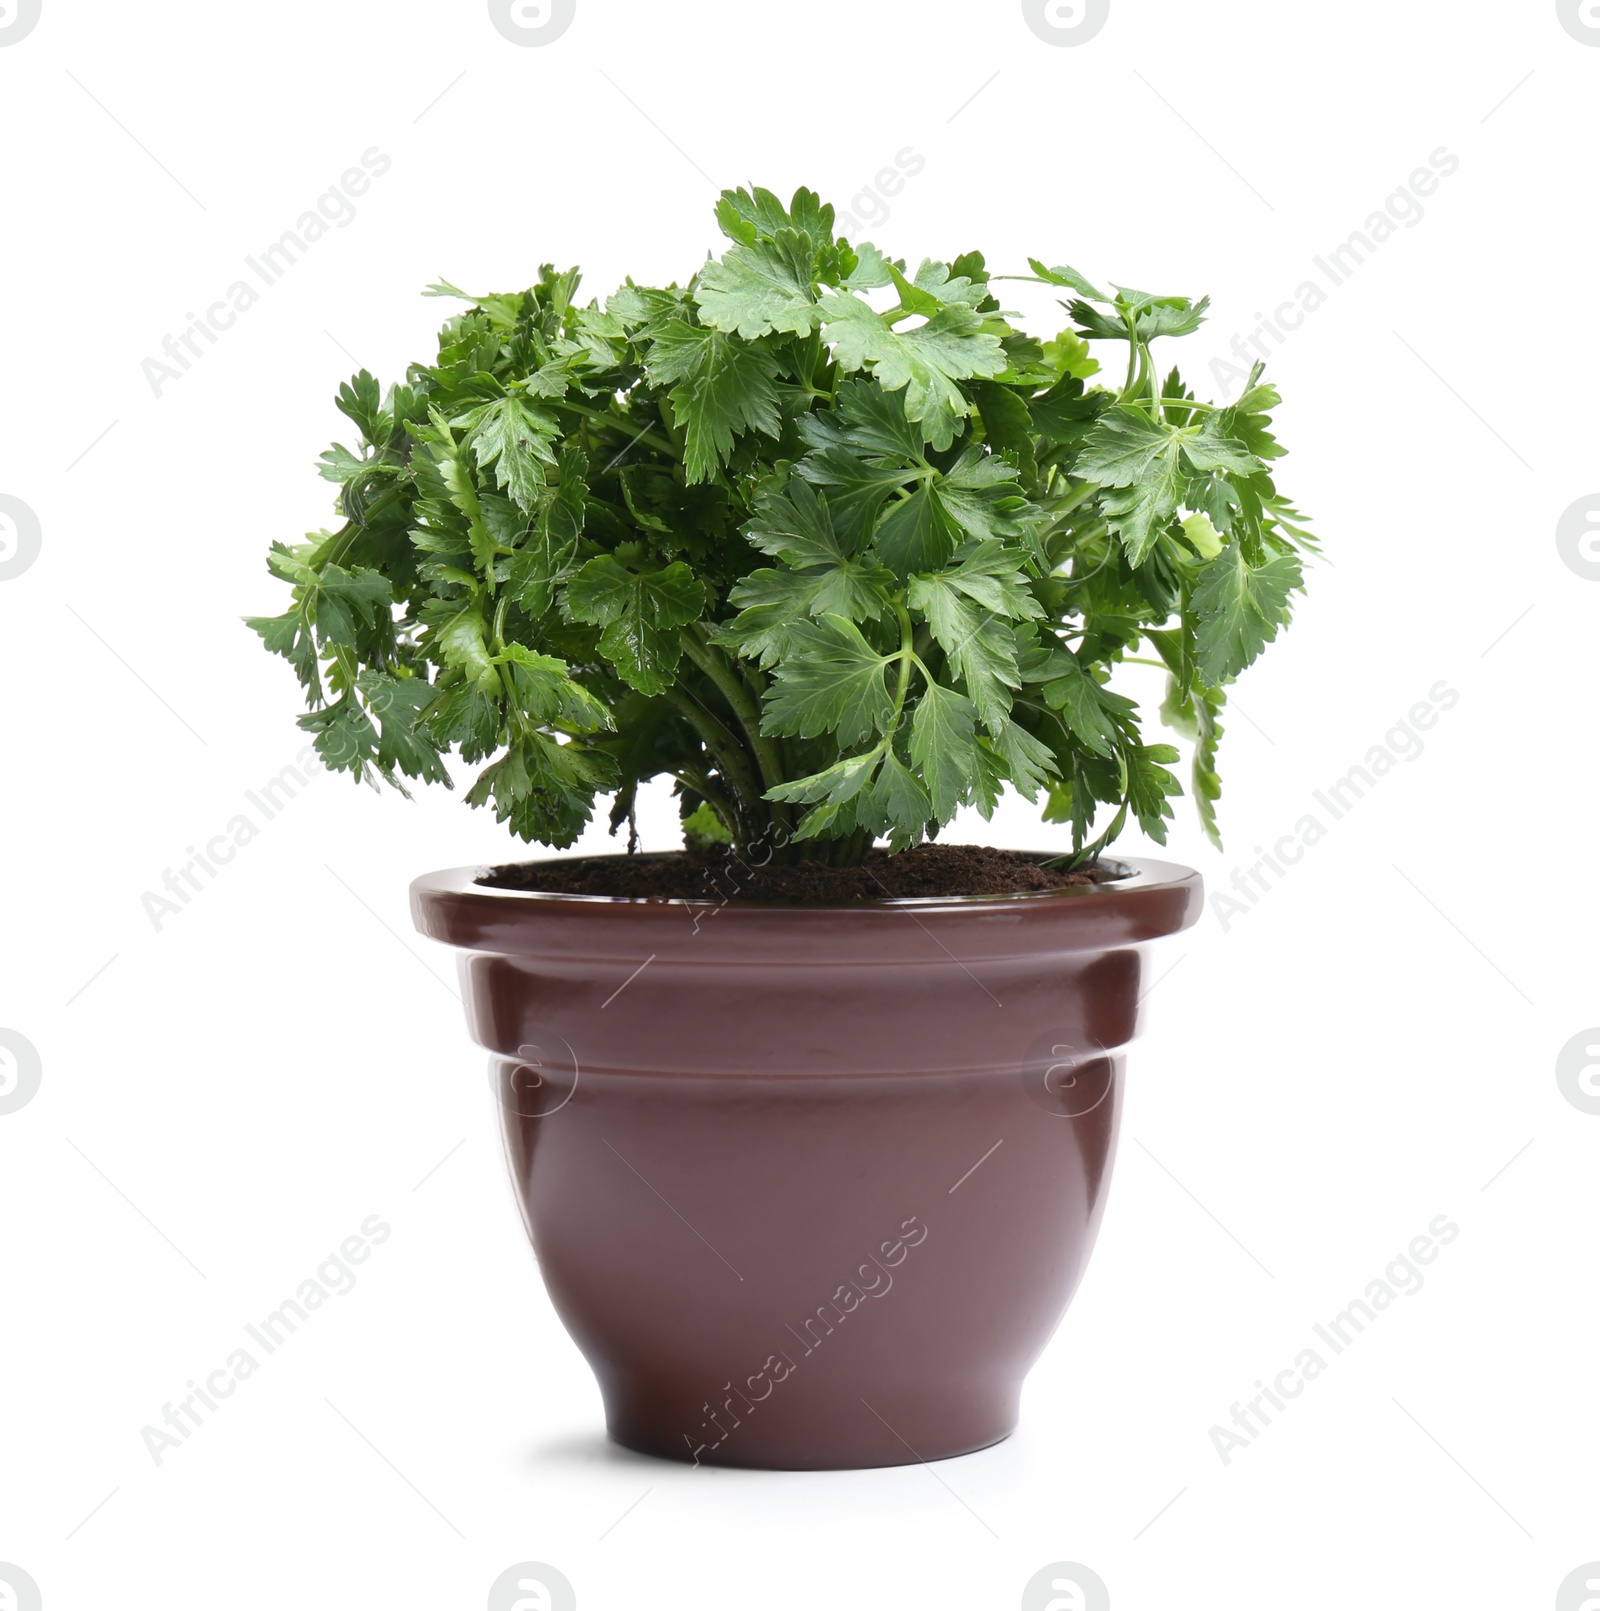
834	545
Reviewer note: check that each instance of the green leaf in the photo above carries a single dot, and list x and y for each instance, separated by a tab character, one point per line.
979	493
869	419
546	691
1078	697
831	682
898	800
1029	764
457	634
361	399
947	284
796	526
1124	447
463	714
1066	413
980	647
1068	277
721	388
871	270
943	747
1150	785
1238	610
921	529
1212	450
762	287
515	438
748	215
507	525
1139	514
864	451
770	603
343	736
926	362
544	789
456	482
1068	354
544	557
290	635
1177	710
344	602
404	745
991	575
1203	536
339	464
917	534
703	828
1143	463
1172	316
1006	420
1247	421
833	786
857	488
641	615
913	299
1208	705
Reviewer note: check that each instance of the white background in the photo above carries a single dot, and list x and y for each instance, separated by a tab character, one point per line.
1373	1044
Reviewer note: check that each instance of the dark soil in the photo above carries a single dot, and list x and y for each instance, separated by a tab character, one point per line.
928	870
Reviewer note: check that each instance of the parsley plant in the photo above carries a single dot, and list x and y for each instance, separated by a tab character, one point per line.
835	546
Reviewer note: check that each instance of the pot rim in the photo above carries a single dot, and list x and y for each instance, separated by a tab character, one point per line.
1134	874
1155	899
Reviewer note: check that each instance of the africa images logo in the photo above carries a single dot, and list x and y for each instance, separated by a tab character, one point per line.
18	19
1578	1071
532	22
1066	22
18	1591
21	1073
532	1586
1066	1586
1578	535
20	535
1581	19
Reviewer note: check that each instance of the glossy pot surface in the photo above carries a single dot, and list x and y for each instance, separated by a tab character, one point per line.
810	1186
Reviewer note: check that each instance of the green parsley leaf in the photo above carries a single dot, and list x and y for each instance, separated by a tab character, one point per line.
1080	700
943	747
515	438
925	362
980	647
762	287
721	388
1068	277
832	681
641	615
1238	610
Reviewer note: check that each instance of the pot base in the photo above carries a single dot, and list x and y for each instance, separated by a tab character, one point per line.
841	1442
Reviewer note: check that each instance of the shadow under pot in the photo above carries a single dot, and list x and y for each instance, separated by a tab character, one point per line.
810	1186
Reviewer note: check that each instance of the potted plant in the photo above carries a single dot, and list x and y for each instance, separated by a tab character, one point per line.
811	1122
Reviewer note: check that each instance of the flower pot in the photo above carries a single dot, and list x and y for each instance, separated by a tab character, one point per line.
810	1186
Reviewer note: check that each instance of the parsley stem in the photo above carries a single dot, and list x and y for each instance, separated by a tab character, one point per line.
708	791
618	422
727	752
1133	357
906	655
714	664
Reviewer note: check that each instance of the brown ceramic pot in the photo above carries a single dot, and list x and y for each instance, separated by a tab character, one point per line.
810	1186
